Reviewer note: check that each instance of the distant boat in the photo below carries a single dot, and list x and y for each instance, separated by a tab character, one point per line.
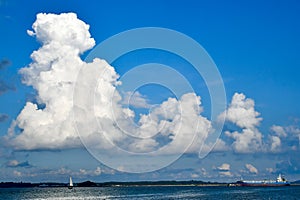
280	181
70	185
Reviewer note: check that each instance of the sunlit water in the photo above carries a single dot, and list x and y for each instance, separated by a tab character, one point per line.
175	192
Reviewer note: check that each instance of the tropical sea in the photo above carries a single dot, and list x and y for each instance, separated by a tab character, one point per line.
152	192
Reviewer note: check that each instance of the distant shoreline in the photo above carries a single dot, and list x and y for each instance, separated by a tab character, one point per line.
110	184
119	184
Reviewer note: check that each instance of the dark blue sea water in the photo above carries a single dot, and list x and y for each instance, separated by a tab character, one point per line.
175	192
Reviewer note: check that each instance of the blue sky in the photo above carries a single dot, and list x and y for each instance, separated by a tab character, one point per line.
255	45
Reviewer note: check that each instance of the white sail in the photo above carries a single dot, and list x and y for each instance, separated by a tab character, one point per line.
71	182
70	186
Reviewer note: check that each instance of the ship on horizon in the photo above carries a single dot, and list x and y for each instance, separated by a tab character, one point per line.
280	181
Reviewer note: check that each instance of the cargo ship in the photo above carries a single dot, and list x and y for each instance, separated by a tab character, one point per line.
280	181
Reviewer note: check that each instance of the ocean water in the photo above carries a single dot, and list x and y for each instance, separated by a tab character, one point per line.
153	193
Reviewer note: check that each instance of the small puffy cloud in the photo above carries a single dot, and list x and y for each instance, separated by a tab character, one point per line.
275	143
83	172
62	171
224	170
203	171
17	173
293	129
12	163
224	167
195	175
270	170
278	130
251	169
121	168
284	138
226	173
97	171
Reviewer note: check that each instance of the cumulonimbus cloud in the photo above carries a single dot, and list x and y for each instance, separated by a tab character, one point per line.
175	123
54	73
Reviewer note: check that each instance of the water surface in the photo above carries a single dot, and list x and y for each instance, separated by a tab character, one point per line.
153	193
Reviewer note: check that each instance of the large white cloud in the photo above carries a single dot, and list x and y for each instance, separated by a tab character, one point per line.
246	141
63	29
248	138
278	130
57	69
52	74
241	112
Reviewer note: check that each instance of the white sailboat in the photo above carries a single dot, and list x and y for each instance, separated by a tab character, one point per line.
70	186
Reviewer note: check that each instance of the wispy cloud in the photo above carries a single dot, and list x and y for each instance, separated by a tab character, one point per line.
251	168
3	117
4	63
4	86
16	163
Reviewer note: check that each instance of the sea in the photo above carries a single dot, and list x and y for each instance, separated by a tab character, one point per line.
153	193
